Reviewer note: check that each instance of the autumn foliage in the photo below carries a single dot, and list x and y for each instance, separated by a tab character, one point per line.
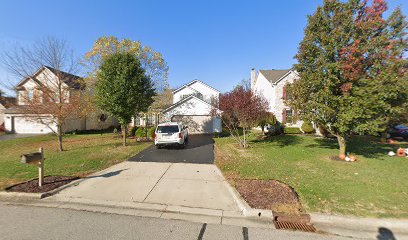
241	110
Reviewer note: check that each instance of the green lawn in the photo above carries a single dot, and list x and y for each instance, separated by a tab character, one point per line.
84	154
376	185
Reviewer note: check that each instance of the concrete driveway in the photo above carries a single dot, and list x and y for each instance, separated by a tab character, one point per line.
165	185
199	150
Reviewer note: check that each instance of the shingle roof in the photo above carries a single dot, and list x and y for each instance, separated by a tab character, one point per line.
274	75
71	80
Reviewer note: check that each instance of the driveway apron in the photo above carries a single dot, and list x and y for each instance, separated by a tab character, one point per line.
168	184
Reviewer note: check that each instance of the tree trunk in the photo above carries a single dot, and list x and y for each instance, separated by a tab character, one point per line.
384	136
263	129
124	131
342	145
244	142
59	135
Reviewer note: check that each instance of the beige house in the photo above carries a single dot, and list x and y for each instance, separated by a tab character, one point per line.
45	80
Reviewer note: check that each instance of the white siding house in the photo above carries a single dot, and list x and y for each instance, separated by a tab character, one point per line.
193	104
271	85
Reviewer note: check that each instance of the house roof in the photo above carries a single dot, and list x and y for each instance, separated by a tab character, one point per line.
191	83
183	101
24	109
7	102
71	80
274	76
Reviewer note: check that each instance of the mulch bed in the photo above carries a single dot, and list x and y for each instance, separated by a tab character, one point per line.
50	183
269	194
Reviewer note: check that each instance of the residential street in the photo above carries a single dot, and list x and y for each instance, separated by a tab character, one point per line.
22	222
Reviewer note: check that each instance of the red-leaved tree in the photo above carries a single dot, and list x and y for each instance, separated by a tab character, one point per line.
241	109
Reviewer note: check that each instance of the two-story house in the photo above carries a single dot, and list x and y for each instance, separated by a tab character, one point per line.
271	84
193	104
42	88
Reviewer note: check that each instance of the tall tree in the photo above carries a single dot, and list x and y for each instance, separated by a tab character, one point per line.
54	102
151	61
353	75
123	88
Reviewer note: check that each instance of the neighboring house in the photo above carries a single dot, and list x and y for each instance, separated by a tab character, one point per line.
18	120
271	84
5	103
193	104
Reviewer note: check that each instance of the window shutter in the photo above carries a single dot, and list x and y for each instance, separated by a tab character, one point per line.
284	93
284	115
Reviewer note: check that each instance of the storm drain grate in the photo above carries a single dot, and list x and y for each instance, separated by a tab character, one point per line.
294	226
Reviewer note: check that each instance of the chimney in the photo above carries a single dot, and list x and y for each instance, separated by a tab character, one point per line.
253	77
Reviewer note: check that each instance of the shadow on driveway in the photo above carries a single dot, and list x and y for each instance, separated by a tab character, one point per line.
199	149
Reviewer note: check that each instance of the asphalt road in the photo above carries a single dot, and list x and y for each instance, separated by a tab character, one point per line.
199	149
23	222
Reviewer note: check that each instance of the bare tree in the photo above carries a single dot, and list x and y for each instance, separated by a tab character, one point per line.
56	99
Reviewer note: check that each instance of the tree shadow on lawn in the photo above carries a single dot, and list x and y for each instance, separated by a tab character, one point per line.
361	145
280	140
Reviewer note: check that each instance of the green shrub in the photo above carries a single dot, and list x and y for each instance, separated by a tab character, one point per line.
133	131
307	127
292	130
150	132
140	132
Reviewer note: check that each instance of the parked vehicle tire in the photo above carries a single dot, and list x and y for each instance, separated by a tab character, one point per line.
158	146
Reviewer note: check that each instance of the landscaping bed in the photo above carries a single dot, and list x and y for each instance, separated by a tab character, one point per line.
269	194
50	183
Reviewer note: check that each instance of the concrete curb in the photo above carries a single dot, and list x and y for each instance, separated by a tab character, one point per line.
201	215
360	222
243	205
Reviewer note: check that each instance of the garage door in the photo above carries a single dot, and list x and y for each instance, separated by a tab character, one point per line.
29	125
196	124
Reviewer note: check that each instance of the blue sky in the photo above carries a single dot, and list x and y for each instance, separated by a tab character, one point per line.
217	42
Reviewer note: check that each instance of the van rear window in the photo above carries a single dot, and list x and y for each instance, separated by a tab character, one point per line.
167	129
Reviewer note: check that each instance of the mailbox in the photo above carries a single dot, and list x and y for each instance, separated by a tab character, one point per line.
36	158
31	158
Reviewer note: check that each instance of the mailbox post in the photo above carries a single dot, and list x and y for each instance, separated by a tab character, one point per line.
36	158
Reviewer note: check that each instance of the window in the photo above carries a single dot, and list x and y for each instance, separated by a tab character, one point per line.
30	94
167	129
289	115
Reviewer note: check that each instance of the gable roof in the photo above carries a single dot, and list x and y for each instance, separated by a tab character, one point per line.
183	101
71	80
273	76
191	83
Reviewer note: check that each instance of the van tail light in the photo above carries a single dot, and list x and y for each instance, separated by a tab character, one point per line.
154	137
180	135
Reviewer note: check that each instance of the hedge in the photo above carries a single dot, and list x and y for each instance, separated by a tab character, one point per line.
150	132
292	130
140	132
307	127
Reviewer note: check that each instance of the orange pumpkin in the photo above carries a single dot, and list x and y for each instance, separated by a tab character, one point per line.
342	156
401	152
